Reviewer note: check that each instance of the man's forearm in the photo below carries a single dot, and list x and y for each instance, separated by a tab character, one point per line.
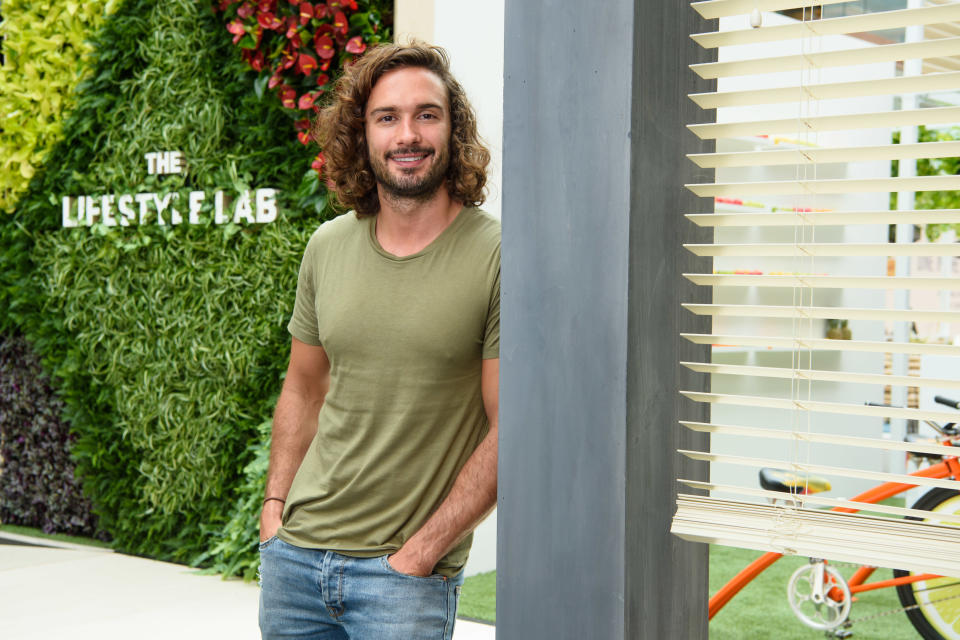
294	426
472	498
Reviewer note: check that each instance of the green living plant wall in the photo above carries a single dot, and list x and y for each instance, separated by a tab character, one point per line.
44	48
168	341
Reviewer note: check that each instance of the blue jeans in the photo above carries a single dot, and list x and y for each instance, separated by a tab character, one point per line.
312	594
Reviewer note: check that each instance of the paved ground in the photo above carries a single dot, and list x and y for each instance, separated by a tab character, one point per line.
82	593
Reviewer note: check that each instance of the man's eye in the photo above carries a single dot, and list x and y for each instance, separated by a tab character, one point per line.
387	118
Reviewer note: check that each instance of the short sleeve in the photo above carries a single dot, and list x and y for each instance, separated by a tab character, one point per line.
491	334
303	324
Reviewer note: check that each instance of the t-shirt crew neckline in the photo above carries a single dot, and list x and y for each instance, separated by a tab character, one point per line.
436	242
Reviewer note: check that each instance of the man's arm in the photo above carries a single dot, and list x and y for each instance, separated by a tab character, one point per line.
472	498
294	426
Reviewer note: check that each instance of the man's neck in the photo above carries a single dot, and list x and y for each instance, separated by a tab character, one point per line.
406	226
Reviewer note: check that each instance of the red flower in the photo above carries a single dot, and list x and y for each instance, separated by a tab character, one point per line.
270	21
253	58
322	80
302	125
292	27
245	10
318	163
274	80
352	4
294	2
226	3
340	22
325	64
306	12
236	28
306	100
324	47
334	4
306	64
287	60
356	45
325	29
267	6
321	11
304	137
288	96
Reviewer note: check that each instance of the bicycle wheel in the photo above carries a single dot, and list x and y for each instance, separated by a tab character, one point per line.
938	616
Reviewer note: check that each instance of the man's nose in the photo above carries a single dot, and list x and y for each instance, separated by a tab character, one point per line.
409	132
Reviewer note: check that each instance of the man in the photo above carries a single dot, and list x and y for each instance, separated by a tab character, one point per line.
384	450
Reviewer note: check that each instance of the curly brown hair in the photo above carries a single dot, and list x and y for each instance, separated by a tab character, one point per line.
339	129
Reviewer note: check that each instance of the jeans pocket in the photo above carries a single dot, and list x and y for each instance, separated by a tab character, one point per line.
436	577
266	543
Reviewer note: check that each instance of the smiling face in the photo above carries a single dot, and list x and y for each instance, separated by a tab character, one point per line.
407	124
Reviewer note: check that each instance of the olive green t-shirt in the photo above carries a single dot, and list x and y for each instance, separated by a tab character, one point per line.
405	337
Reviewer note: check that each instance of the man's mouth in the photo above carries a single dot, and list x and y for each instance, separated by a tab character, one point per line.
409	156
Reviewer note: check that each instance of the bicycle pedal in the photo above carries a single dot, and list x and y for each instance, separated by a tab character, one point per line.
839	633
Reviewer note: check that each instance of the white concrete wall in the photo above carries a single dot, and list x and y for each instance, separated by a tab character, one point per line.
472	34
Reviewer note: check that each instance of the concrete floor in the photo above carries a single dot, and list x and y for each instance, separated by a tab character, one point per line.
83	593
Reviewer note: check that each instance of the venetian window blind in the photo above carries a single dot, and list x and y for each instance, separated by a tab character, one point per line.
804	121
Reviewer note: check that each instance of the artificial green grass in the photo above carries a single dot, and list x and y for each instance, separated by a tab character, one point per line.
759	612
59	537
478	597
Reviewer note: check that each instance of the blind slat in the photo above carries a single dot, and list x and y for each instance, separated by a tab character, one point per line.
820	406
806	467
827	218
831	26
823	282
831	376
819	313
788	187
825	249
823	438
710	9
946	519
879	119
826	155
821	344
926	83
939	48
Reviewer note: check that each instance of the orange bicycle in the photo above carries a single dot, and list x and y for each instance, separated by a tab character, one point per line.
820	596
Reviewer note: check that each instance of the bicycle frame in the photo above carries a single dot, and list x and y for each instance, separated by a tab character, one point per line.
948	468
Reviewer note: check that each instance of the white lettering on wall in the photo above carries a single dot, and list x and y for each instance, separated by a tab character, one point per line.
127	213
242	209
164	162
143	199
196	201
266	205
127	209
68	219
218	217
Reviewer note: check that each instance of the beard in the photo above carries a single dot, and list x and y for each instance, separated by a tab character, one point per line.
407	184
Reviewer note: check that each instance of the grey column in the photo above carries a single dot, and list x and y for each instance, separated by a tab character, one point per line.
593	204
